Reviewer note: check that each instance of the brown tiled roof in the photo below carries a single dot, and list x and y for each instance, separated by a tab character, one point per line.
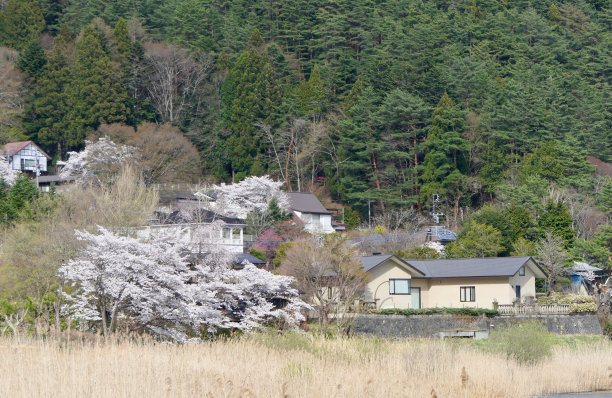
12	148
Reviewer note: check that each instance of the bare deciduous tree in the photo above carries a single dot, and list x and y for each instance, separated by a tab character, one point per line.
176	81
551	257
330	273
164	153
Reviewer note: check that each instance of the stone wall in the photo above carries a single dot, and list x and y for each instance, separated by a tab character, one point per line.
430	325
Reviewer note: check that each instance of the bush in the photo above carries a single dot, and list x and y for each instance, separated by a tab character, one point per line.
431	311
526	343
583	307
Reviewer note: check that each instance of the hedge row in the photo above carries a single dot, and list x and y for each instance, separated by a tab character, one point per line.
430	311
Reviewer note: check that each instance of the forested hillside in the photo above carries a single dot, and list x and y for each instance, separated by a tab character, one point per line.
387	102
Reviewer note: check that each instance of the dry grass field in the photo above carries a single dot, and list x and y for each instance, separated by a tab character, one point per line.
294	366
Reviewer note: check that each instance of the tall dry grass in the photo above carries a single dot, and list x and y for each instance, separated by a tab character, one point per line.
293	366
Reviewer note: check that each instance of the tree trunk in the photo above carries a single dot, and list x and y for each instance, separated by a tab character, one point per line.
382	204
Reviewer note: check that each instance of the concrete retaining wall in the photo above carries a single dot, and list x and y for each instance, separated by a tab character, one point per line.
428	325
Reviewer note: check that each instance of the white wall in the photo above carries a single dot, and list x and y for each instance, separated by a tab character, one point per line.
30	152
320	223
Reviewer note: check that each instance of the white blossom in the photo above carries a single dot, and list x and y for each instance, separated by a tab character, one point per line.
437	246
97	156
156	286
250	194
6	171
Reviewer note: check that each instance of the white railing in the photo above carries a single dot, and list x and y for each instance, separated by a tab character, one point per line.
555	309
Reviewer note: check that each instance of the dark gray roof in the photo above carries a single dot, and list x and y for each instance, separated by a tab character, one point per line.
194	216
370	262
444	234
249	257
468	267
306	202
54	178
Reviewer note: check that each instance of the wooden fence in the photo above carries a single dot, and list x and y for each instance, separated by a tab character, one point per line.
553	309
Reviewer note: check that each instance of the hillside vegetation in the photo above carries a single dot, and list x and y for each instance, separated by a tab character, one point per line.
501	108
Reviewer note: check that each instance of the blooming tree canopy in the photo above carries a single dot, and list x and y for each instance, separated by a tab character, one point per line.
6	171
250	194
98	157
156	286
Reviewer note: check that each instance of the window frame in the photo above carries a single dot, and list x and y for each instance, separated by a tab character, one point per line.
522	271
392	284
463	297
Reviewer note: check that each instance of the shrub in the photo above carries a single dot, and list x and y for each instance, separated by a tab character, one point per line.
583	307
526	343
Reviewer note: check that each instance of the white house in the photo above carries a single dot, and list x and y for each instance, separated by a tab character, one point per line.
26	156
193	224
311	212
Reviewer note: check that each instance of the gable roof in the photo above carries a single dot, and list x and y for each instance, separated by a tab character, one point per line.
13	148
306	202
371	262
474	267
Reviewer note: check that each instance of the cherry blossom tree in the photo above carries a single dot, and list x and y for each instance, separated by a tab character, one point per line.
99	158
156	286
250	194
6	171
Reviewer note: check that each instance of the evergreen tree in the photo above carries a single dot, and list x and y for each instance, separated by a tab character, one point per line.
96	94
32	59
250	94
404	119
445	164
23	22
361	147
312	96
557	219
47	113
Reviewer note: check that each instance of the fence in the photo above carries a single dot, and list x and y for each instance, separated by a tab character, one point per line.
552	309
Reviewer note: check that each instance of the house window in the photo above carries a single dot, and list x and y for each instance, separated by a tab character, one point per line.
467	293
329	293
399	286
316	219
27	164
522	271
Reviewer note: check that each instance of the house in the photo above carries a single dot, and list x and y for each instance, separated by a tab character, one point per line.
306	207
26	156
469	282
45	182
191	223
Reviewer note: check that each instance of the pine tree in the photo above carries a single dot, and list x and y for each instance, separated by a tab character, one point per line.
361	149
404	119
445	165
23	22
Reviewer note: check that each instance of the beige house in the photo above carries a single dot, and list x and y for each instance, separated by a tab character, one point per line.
470	282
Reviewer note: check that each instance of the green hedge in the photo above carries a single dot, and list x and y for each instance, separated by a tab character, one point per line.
431	311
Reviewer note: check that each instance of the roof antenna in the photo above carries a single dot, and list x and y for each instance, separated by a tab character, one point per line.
434	202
